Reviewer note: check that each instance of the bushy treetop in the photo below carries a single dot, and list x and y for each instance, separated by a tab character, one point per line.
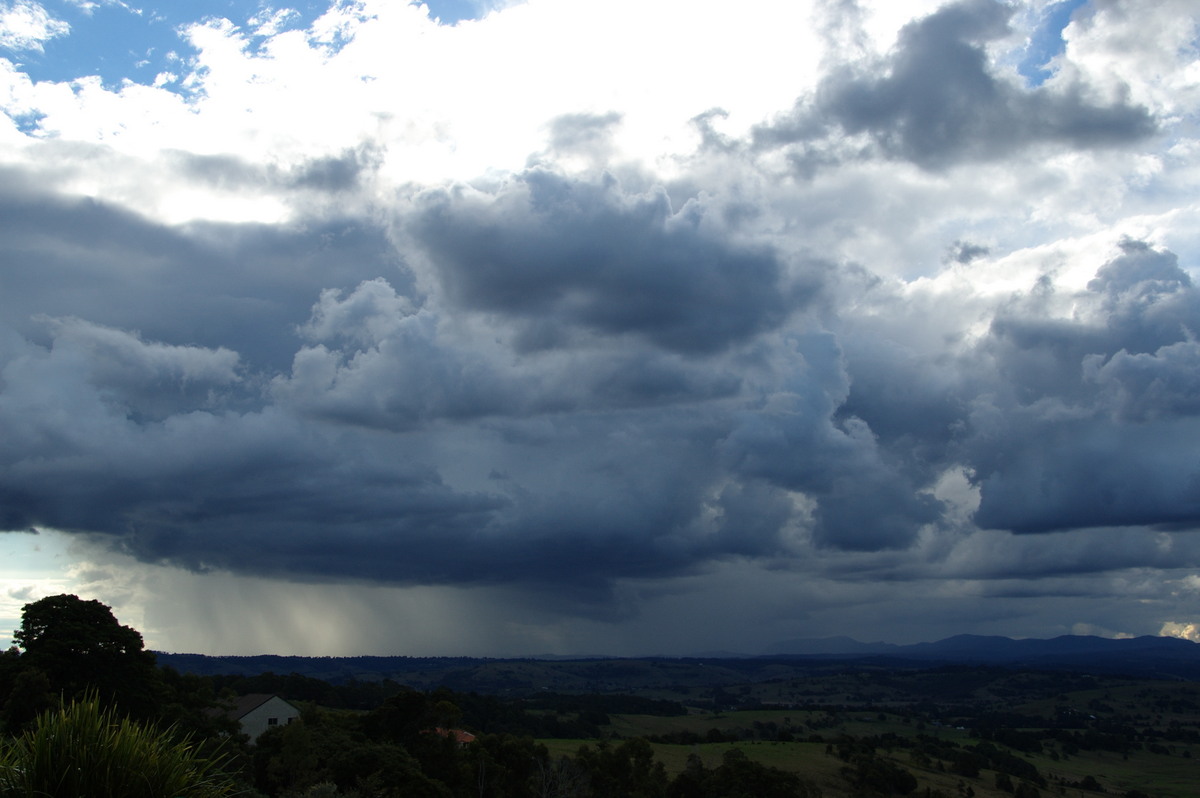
80	646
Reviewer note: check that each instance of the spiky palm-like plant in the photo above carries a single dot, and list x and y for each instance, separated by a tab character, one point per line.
83	751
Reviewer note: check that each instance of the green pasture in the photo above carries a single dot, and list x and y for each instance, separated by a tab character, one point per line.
1162	776
1154	774
805	759
801	723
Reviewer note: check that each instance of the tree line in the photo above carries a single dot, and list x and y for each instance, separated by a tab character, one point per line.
81	696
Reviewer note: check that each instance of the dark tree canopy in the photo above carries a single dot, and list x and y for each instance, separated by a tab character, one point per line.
66	625
80	646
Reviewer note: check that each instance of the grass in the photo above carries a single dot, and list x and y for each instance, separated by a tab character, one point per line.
802	724
1163	776
1155	774
805	759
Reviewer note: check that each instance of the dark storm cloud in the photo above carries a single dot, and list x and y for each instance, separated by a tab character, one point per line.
211	284
1078	474
668	420
1062	421
935	101
1092	421
253	495
268	493
207	486
865	501
376	361
615	462
1145	386
692	398
563	255
914	401
146	380
662	388
1140	301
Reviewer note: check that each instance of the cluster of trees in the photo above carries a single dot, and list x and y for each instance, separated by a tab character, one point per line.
70	649
395	750
79	682
85	711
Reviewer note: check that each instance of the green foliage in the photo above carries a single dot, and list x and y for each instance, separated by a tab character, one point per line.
872	775
540	715
1027	790
190	704
84	750
988	755
81	648
558	778
326	749
503	766
739	777
628	770
401	718
389	749
293	687
602	705
967	763
30	695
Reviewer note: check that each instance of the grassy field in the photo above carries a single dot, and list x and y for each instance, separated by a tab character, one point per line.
1153	774
802	723
810	761
1173	775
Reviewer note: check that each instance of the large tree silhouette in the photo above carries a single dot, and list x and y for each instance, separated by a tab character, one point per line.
80	647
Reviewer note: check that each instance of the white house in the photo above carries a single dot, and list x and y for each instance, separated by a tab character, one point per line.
258	712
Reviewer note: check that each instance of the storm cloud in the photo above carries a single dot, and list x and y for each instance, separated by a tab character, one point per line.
1099	425
568	255
788	341
935	100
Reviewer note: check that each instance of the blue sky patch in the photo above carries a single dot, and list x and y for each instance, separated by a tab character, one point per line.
119	42
114	42
1047	41
449	12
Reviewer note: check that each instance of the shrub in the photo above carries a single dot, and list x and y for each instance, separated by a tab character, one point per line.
82	750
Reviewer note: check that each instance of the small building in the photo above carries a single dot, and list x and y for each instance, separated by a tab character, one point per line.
461	737
258	712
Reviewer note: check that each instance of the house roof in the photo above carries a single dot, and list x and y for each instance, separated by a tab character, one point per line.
246	704
460	736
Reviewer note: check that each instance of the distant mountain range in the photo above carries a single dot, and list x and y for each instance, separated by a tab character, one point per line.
1147	656
994	650
1143	657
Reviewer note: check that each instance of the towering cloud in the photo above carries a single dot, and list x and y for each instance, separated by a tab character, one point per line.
839	308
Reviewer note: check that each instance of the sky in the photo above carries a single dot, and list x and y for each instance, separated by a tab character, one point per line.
600	327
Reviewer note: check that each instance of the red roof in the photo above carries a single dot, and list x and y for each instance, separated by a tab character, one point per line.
460	736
